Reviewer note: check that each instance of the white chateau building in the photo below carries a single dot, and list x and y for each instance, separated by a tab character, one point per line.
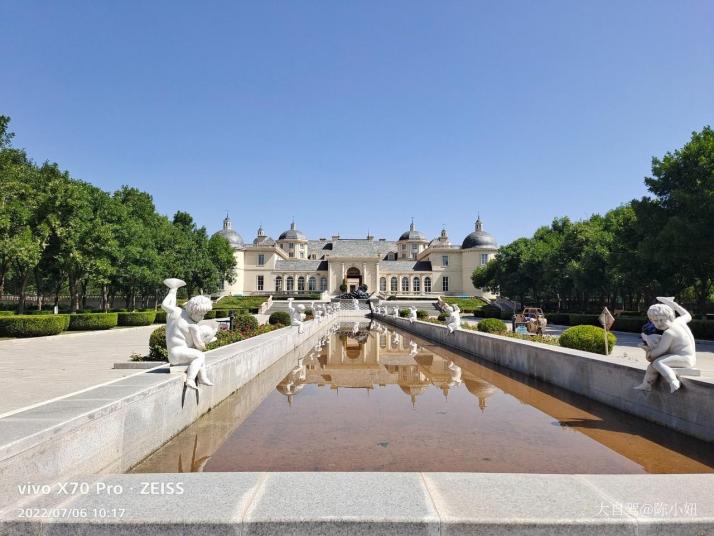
408	267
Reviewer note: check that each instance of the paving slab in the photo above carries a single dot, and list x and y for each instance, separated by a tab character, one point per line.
342	503
45	368
493	503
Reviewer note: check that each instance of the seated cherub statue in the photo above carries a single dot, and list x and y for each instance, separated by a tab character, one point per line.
674	348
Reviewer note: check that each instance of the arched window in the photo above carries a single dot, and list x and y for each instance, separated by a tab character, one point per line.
416	284
301	284
383	284
290	284
323	284
393	284
405	284
427	284
312	284
279	284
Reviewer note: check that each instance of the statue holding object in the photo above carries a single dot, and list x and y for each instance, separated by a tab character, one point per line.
186	339
674	348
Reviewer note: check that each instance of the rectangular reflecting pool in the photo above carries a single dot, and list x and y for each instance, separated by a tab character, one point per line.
368	398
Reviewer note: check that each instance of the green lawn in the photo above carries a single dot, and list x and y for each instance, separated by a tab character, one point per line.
467	305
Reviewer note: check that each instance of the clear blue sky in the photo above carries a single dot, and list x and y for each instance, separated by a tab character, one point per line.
351	115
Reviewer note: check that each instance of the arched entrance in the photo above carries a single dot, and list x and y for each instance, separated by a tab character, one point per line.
354	279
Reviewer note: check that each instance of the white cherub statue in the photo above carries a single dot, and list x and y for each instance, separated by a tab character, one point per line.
413	349
395	312
454	320
454	373
412	314
297	314
674	348
186	339
355	303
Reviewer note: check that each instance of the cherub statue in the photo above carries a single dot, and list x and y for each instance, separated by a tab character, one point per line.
413	349
355	304
395	312
297	314
454	320
454	373
412	314
185	338
674	348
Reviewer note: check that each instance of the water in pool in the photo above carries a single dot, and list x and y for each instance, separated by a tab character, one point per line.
367	398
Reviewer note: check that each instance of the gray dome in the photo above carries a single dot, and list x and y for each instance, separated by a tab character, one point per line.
292	234
479	238
230	234
413	234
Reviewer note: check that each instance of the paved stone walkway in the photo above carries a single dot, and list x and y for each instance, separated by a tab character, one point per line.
628	348
43	368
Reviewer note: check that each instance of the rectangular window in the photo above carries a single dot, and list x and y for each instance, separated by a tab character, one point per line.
291	254
484	258
445	284
291	246
302	254
261	260
260	281
444	260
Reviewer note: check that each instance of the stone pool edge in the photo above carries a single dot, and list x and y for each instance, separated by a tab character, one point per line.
377	503
110	428
602	378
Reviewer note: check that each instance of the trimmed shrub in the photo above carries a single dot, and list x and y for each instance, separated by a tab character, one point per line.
281	318
92	321
160	317
157	345
7	313
422	314
137	318
32	325
561	319
404	313
492	325
442	317
224	337
587	338
245	323
309	314
39	312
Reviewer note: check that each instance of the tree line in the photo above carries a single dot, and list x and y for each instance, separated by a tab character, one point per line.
661	244
60	235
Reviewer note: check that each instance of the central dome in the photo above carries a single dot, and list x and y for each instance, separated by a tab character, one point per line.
413	235
292	234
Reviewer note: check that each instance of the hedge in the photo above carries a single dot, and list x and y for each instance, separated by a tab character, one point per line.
404	313
32	325
92	321
587	338
702	329
442	317
279	318
422	314
160	317
561	319
489	311
491	325
137	318
7	313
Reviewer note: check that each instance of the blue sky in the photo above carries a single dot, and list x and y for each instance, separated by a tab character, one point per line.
353	115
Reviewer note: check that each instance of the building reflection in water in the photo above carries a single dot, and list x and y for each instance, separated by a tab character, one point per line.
349	358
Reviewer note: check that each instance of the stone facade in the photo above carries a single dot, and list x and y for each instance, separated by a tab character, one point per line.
411	266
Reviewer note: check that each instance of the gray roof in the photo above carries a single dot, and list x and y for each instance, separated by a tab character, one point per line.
263	241
361	247
405	266
479	239
318	247
413	234
230	234
292	234
300	265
